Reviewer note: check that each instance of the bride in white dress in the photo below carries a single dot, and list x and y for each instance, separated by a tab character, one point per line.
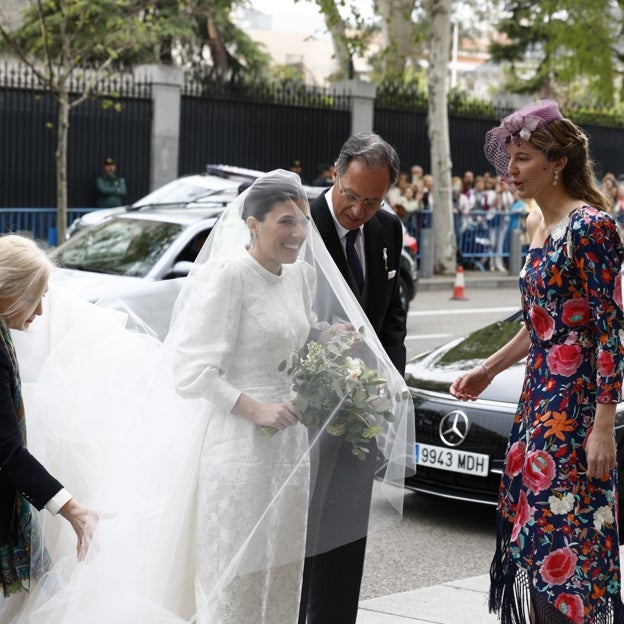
246	315
192	449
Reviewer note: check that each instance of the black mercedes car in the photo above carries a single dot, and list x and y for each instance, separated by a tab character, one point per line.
460	445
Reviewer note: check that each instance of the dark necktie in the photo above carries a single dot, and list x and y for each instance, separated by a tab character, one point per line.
354	259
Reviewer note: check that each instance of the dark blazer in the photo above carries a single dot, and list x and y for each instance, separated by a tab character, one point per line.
19	470
342	485
381	300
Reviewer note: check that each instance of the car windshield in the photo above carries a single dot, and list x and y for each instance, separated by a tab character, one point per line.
118	246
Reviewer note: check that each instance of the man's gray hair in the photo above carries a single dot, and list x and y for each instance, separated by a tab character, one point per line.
371	151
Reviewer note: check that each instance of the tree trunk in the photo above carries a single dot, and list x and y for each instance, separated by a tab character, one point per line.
437	118
61	164
398	34
218	54
336	27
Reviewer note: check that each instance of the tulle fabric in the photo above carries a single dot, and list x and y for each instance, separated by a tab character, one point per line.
103	419
108	420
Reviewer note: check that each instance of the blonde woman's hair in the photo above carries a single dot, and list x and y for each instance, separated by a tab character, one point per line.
562	137
24	273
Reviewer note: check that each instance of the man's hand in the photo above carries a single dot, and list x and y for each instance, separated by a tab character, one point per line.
339	329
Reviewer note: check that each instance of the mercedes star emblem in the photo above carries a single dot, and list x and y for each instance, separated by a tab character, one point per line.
454	428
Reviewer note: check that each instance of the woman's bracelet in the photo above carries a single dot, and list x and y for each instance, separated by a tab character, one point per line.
487	372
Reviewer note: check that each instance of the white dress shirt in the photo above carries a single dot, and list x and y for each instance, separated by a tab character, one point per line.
342	234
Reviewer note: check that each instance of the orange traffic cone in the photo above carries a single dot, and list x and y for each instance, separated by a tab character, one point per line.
458	289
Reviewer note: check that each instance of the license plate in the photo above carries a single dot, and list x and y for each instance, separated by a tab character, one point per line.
451	459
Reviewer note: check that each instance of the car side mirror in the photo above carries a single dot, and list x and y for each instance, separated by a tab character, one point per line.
181	268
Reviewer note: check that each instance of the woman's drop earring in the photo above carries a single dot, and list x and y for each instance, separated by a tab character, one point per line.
555	178
252	242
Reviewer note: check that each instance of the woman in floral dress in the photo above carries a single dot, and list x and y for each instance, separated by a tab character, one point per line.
557	552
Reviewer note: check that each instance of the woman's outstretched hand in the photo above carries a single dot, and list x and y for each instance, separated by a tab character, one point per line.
84	521
468	386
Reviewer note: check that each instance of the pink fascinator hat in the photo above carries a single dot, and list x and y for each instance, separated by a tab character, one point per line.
519	125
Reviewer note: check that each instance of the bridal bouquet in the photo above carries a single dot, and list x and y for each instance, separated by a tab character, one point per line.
336	390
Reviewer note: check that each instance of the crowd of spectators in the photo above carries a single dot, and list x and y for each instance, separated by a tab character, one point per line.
613	187
485	210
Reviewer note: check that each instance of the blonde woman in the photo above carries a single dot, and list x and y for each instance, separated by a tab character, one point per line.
24	482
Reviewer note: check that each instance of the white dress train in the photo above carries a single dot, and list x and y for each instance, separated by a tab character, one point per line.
129	450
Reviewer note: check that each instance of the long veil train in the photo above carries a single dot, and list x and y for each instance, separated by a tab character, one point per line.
105	418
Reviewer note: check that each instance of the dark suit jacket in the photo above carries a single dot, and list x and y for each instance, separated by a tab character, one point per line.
340	484
19	470
381	299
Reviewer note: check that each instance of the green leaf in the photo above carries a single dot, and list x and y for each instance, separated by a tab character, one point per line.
268	432
336	430
371	432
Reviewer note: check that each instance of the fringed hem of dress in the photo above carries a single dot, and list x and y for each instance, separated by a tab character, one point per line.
514	600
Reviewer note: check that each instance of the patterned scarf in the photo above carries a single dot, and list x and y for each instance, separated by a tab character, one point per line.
15	555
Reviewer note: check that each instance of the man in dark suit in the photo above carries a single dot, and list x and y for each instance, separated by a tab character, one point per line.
350	219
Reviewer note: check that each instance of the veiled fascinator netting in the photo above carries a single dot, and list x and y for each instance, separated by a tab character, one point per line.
519	125
109	423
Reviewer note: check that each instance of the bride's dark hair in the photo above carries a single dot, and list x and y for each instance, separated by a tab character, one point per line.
267	191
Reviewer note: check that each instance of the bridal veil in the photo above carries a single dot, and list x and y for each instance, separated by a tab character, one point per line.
106	417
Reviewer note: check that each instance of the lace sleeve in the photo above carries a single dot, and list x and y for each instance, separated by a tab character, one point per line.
205	337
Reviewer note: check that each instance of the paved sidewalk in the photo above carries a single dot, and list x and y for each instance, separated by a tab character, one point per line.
463	601
457	602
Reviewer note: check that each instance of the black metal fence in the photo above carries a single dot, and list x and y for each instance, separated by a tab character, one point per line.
404	124
261	128
117	125
247	126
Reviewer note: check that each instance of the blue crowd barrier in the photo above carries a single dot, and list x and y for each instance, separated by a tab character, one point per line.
478	235
476	240
40	223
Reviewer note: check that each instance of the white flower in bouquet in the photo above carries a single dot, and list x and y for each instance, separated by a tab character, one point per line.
339	392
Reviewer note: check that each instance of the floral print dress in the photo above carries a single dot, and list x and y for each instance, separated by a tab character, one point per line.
557	538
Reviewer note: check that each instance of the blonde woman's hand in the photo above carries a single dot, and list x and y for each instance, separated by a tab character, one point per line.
84	521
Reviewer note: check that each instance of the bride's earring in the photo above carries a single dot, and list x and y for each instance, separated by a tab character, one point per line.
252	241
555	178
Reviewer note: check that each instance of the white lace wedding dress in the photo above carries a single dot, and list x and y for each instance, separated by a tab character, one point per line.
240	324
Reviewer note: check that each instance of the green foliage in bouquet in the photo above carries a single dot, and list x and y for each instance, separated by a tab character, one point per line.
336	390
